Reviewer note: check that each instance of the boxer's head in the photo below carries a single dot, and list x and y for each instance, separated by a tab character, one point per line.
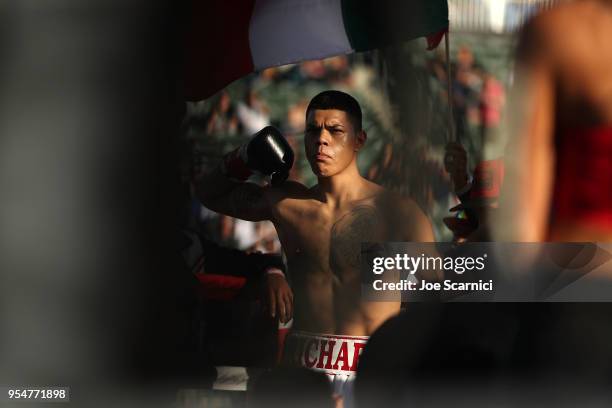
333	132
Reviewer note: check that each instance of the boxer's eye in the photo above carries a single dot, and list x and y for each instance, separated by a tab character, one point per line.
312	130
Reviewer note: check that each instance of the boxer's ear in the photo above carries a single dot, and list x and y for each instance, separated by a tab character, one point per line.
360	140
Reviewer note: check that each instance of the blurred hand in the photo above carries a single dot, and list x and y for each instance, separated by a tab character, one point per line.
455	163
279	297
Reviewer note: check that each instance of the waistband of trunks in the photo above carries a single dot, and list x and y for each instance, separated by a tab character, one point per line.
327	353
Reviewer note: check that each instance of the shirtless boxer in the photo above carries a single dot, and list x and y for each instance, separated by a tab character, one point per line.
560	174
321	229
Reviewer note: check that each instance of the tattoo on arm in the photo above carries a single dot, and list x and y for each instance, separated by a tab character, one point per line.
247	201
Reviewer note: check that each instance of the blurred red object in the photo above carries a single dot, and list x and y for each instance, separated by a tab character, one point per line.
220	287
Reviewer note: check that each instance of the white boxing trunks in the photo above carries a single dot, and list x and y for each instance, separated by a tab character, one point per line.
335	355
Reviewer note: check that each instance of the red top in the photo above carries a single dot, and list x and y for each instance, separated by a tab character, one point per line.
583	182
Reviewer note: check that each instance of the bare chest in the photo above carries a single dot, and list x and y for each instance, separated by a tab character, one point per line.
330	241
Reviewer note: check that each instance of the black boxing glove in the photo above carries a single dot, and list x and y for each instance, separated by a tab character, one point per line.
267	153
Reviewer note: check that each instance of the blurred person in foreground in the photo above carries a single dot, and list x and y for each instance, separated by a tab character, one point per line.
290	387
560	174
225	284
321	229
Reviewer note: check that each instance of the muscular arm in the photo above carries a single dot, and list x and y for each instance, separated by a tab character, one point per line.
246	201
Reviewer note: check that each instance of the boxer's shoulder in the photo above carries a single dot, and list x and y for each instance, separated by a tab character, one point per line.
289	190
288	197
408	220
388	200
370	193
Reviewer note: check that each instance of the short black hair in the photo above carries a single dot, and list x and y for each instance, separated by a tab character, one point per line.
338	100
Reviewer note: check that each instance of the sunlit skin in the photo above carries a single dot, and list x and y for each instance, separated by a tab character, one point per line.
321	228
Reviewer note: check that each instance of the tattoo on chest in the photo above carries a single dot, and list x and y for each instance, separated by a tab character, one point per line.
361	224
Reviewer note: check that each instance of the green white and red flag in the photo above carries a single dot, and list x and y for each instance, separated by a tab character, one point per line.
229	39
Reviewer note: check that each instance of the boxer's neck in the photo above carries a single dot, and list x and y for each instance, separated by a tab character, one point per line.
342	187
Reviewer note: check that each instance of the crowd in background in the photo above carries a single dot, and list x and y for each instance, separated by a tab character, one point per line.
408	156
279	96
478	97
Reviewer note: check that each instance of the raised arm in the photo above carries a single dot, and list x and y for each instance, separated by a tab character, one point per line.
242	200
224	189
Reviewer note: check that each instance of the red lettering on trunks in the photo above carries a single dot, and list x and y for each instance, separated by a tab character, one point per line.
358	348
326	353
342	357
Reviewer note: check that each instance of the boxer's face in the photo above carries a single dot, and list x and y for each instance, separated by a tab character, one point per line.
331	141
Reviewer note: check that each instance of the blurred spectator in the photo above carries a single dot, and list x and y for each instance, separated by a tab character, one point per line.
338	72
431	347
466	90
455	163
465	58
313	70
253	113
244	234
437	67
294	132
233	286
269	74
479	194
267	239
231	326
492	100
296	118
222	118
